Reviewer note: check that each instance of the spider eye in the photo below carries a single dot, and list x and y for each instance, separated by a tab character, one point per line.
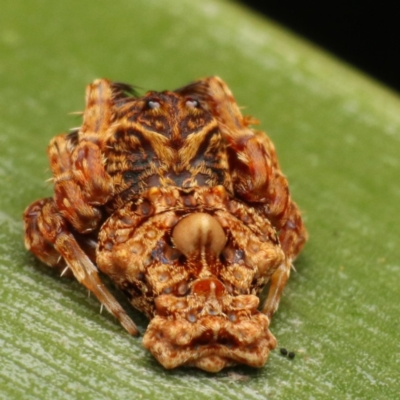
192	103
152	104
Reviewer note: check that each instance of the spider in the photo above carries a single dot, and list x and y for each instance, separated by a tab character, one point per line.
184	207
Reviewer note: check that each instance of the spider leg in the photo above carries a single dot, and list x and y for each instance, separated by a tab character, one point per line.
81	183
48	235
292	237
35	241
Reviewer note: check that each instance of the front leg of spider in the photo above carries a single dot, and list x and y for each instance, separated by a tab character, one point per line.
81	187
48	234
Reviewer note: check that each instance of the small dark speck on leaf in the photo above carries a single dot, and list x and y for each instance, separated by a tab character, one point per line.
283	351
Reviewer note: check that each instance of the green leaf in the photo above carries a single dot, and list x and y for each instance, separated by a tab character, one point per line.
338	140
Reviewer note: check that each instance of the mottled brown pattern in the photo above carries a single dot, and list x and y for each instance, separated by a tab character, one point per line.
185	208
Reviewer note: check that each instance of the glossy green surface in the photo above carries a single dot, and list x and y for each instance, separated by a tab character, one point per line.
338	140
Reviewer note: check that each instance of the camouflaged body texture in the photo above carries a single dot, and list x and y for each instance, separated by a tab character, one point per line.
185	208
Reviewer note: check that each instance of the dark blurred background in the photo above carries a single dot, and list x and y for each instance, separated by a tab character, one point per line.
364	34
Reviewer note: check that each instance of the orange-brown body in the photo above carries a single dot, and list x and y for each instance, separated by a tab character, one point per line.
184	206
